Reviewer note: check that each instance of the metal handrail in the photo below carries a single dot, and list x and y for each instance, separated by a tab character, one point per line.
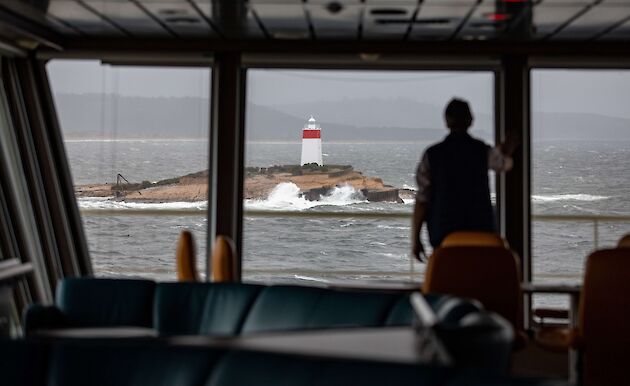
579	217
12	269
595	219
329	214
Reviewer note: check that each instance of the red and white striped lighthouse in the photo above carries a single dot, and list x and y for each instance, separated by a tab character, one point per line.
312	143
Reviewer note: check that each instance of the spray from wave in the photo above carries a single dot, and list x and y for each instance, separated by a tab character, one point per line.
104	203
567	197
286	196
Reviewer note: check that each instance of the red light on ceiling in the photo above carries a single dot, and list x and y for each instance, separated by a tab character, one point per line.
497	16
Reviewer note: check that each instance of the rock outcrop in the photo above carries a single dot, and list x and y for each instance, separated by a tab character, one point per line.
314	181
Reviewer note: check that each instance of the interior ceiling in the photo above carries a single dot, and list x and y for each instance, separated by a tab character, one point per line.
393	20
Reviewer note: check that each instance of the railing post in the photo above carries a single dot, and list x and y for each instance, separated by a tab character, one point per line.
225	190
513	108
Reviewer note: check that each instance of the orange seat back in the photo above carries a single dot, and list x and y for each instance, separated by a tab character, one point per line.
474	238
185	257
624	242
604	317
488	274
223	260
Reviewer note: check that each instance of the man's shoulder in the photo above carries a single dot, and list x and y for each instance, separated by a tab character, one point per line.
475	142
435	146
480	142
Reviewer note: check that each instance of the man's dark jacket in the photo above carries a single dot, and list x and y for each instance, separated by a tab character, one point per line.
459	193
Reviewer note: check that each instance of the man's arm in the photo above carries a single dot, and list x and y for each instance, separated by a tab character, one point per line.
419	215
500	157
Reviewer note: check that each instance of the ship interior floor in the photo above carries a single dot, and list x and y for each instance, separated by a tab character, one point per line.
533	361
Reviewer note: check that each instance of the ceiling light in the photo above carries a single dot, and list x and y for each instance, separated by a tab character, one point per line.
497	16
181	20
369	56
290	35
433	20
172	12
334	7
388	11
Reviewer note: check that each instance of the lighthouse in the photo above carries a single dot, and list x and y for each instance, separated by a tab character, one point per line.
312	143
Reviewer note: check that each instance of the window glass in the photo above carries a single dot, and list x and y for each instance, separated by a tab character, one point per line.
131	134
370	128
580	158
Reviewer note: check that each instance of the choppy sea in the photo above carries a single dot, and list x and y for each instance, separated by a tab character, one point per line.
569	178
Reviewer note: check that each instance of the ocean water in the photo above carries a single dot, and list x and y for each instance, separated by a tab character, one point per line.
569	178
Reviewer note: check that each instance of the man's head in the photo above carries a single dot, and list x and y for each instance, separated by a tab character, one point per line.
457	115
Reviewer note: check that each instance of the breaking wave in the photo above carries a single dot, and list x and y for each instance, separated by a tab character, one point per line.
286	196
567	197
104	203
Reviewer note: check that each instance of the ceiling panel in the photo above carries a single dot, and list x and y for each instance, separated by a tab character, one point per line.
335	19
283	19
484	23
234	23
595	21
548	17
579	20
61	27
179	16
388	19
439	19
128	16
568	2
622	32
82	18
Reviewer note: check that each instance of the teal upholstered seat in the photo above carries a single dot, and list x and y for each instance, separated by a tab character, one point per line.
87	302
294	308
202	308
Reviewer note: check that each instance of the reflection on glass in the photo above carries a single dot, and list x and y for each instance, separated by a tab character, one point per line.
376	122
580	158
130	134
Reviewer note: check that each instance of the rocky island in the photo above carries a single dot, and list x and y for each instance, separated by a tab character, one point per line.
313	180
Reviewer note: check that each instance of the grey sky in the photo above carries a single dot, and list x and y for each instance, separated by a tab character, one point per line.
432	87
592	91
89	76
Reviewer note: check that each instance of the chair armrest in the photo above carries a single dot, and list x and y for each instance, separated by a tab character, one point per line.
40	317
558	339
520	340
551	313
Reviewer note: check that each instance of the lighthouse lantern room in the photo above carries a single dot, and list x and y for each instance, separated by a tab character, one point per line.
312	143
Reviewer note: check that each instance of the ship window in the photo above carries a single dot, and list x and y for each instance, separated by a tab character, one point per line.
330	161
580	158
131	134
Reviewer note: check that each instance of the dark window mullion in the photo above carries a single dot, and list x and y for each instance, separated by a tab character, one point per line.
60	159
32	174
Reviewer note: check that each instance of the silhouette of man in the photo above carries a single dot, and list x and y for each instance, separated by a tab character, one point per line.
452	178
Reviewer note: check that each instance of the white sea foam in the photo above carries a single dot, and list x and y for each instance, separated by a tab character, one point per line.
286	196
567	197
310	278
393	227
408	200
104	203
140	140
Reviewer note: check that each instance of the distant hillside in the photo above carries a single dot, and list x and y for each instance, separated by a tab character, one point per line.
579	126
99	116
377	112
264	123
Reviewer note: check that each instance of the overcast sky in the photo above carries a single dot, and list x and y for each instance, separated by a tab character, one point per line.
591	91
